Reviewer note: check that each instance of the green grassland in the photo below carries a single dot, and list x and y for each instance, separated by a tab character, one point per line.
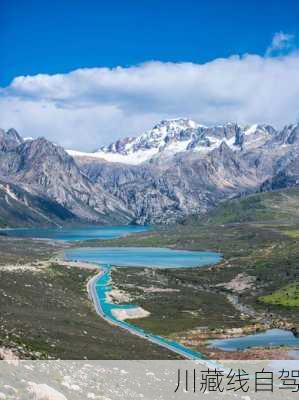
287	296
21	251
46	313
174	306
50	312
292	233
268	206
257	242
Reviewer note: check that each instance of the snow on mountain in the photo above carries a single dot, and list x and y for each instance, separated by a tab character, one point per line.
45	184
131	159
170	137
257	135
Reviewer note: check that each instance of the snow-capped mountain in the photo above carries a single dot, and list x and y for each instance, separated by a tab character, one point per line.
180	167
176	169
170	137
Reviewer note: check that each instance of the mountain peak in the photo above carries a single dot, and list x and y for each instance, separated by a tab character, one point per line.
12	133
9	139
168	134
186	168
177	123
172	136
161	133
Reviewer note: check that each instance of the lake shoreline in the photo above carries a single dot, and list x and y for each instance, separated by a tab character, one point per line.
246	354
215	353
93	266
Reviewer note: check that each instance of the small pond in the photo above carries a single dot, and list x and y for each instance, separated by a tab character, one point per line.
269	338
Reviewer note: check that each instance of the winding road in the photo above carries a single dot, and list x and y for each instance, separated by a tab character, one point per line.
172	346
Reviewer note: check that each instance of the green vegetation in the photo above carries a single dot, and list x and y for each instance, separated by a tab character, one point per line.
269	206
18	251
287	296
294	233
263	249
2	223
49	312
201	300
174	307
45	312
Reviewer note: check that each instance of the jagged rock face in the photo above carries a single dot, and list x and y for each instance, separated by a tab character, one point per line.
21	208
179	167
9	140
176	169
172	137
285	172
45	170
166	192
289	135
161	134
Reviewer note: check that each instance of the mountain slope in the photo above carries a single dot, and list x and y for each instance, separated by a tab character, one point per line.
180	168
176	169
170	137
166	192
19	208
136	150
278	205
47	172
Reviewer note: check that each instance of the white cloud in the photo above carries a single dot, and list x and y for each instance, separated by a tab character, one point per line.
281	43
88	107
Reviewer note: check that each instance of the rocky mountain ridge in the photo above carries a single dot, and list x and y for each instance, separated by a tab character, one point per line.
176	169
170	137
180	168
39	169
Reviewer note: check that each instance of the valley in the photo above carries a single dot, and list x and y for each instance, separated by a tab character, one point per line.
177	169
191	306
46	312
226	189
261	259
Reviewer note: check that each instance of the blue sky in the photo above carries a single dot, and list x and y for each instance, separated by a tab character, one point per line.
58	36
83	73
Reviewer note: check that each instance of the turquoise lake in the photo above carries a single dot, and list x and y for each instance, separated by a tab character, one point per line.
146	257
106	257
270	338
71	234
143	257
